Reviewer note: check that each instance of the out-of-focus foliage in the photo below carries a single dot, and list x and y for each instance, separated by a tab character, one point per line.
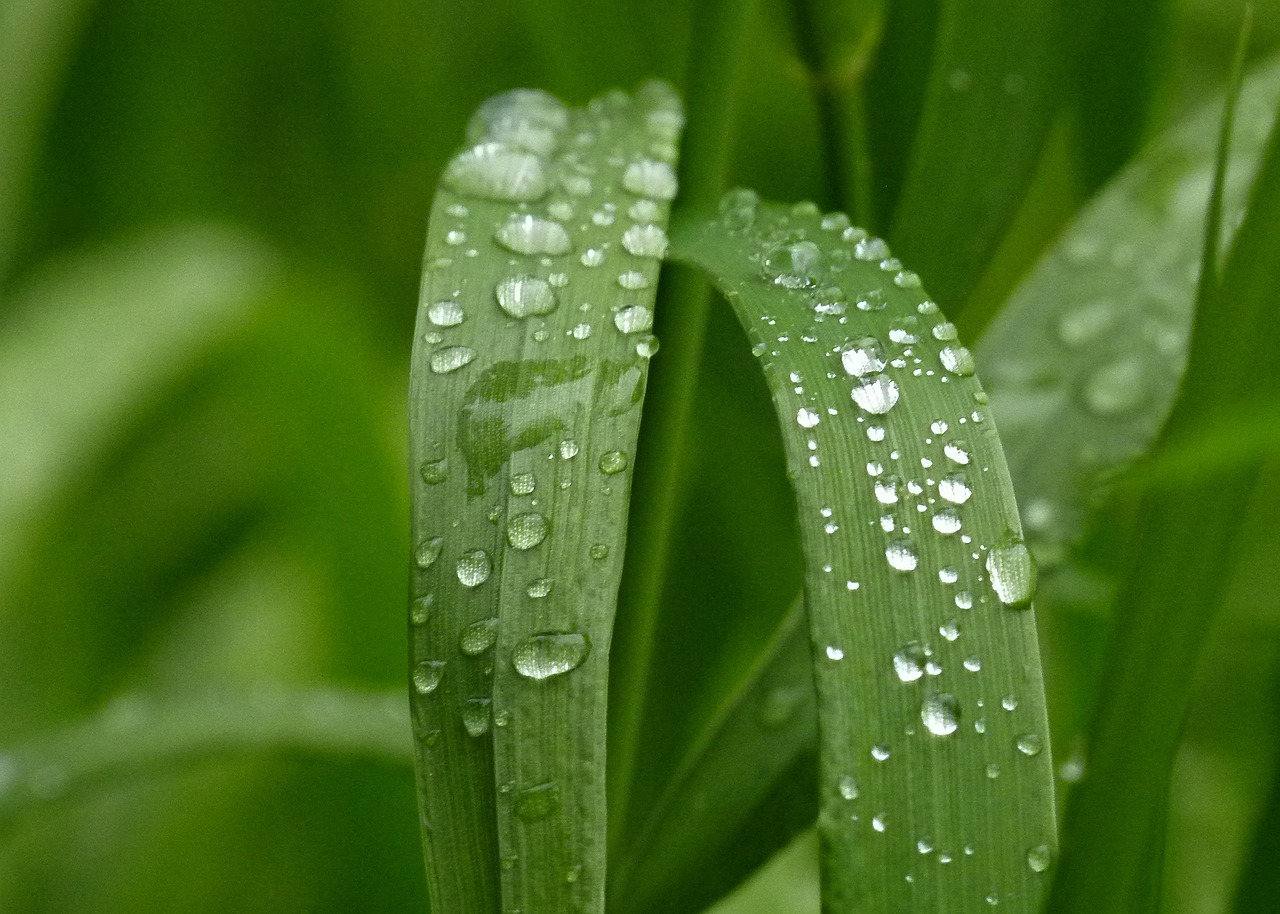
211	221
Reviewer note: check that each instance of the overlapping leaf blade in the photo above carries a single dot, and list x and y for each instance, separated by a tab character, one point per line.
529	367
931	710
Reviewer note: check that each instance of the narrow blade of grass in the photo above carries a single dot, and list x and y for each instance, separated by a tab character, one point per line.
930	702
1184	551
991	95
529	366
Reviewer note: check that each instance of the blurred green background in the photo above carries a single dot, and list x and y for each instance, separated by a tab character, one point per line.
211	222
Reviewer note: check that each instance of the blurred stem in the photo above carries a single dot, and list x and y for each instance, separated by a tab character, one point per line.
836	43
684	301
135	736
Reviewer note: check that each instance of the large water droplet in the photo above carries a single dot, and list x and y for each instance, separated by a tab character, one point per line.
524	531
552	654
792	266
954	488
526	296
877	394
524	118
427	675
901	555
947	521
478	637
451	358
940	714
957	360
863	357
645	241
496	171
475	716
649	178
528	234
633	319
474	568
1013	572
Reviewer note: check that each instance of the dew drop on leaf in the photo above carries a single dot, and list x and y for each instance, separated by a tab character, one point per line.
650	178
848	787
909	662
427	675
474	567
539	588
524	531
522	484
526	296
957	359
1029	744
863	357
633	319
877	395
547	655
791	266
451	358
428	551
1039	858
478	637
445	313
645	240
901	555
940	714
954	488
475	716
613	462
529	234
1013	572
497	171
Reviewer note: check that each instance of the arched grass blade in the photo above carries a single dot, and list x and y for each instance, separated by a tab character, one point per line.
529	367
930	703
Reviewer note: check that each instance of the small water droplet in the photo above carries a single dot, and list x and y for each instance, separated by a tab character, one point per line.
871	249
428	551
496	171
451	358
901	554
539	588
599	552
633	319
877	394
524	531
649	178
478	637
947	521
1013	572
526	296
792	266
1039	858
647	346
880	753
474	567
613	462
957	359
427	675
592	257
834	653
940	714
907	280
522	484
887	489
909	662
973	663
551	654
645	240
807	418
993	771
944	332
475	716
529	234
954	488
633	280
878	822
568	449
957	452
446	313
1029	744
434	472
848	787
420	609
863	357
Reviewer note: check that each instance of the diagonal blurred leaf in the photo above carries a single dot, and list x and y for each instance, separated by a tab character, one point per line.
529	365
990	99
931	718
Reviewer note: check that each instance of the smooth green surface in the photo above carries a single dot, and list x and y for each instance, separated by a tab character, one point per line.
529	368
923	710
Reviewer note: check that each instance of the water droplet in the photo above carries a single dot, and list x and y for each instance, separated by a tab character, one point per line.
599	552
949	630
526	118
496	171
829	302
475	716
871	249
529	234
1029	744
1013	572
940	714
947	521
909	662
428	551
973	663
901	555
964	600
647	346
1039	858
993	771
524	531
907	280
633	319
645	241
905	331
474	568
924	846
887	490
954	488
551	654
420	609
592	257
427	675
613	462
522	484
848	787
863	357
649	178
878	822
957	452
434	472
539	588
957	360
877	395
807	418
451	358
1009	702
633	280
1116	388
568	449
792	266
645	211
944	332
526	296
478	637
538	802
880	753
834	653
446	313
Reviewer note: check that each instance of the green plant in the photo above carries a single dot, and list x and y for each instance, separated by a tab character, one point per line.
644	656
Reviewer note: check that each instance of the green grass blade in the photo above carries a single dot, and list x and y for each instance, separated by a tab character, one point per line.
524	416
1091	347
1185	546
991	95
682	862
136	736
931	707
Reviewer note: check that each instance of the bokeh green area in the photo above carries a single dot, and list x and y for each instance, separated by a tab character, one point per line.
211	223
